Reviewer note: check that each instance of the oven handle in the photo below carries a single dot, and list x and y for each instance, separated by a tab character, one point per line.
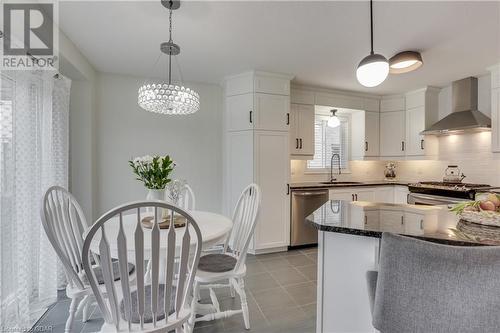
432	200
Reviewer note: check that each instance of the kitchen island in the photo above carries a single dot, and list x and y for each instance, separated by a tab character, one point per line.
348	246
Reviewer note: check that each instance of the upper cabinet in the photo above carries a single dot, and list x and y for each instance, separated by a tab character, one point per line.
495	108
402	119
365	135
392	134
392	127
421	112
302	131
257	101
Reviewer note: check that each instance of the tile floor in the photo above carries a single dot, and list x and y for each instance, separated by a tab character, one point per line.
281	292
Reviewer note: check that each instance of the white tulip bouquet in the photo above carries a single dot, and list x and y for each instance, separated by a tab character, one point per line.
153	171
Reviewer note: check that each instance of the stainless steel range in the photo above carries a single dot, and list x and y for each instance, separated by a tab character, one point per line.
442	193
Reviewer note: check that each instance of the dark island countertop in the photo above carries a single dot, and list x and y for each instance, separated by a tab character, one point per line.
433	223
311	185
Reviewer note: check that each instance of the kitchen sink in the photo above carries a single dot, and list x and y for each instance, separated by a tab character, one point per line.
341	183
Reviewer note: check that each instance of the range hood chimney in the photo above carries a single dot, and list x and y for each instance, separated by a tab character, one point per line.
464	116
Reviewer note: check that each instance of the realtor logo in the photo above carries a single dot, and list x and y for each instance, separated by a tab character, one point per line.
29	35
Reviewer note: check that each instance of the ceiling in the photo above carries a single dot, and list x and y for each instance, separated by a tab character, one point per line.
320	43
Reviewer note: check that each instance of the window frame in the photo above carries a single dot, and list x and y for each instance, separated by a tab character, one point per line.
346	170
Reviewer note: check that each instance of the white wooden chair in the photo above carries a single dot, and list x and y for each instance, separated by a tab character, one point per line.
64	223
215	269
140	307
187	200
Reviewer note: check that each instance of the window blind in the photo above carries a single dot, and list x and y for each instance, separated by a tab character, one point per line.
329	141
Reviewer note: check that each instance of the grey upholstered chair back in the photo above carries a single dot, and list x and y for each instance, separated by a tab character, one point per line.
428	287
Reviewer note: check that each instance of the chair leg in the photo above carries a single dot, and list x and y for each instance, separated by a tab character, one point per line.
231	289
72	309
86	309
196	295
240	289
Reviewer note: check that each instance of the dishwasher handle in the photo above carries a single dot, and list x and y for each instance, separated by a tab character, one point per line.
310	193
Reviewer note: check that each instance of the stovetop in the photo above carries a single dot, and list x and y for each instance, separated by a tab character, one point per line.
451	186
457	190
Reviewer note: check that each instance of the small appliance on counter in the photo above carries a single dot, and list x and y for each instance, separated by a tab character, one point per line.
452	174
390	171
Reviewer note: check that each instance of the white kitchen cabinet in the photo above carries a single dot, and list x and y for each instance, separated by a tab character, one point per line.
495	108
372	219
392	221
414	223
271	112
365	127
239	110
345	194
495	120
421	113
257	109
384	194
302	131
415	123
364	194
355	193
271	154
401	194
392	134
392	103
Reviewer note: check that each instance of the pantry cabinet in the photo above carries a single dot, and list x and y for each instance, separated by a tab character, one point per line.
302	131
257	113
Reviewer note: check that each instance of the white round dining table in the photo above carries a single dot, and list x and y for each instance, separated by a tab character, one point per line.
214	229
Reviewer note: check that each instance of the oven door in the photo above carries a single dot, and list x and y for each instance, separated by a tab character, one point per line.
432	200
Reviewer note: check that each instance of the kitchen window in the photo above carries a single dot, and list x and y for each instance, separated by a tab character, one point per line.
328	141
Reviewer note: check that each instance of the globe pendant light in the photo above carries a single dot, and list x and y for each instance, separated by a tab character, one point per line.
374	68
165	97
333	121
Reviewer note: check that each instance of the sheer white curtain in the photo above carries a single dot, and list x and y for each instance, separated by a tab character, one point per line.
34	123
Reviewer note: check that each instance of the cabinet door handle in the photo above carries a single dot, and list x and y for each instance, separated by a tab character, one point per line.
300	140
288	118
421	224
251	119
402	220
352	197
422	144
366	220
287	189
366	145
297	143
402	145
356	196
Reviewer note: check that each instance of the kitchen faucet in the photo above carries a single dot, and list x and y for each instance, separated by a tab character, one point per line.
332	179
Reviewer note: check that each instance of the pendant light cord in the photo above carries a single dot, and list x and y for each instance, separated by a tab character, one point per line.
170	40
371	25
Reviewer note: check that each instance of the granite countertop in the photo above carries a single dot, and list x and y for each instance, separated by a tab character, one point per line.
307	185
433	223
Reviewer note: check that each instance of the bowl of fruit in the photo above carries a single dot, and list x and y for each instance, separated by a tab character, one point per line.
484	210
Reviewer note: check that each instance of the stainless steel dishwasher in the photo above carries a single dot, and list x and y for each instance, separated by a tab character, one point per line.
304	202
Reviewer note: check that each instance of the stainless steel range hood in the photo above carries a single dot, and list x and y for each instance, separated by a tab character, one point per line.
465	117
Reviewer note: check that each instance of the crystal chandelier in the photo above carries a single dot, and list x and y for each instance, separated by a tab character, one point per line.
168	98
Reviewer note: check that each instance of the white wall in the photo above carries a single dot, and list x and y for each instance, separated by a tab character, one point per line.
124	131
76	67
